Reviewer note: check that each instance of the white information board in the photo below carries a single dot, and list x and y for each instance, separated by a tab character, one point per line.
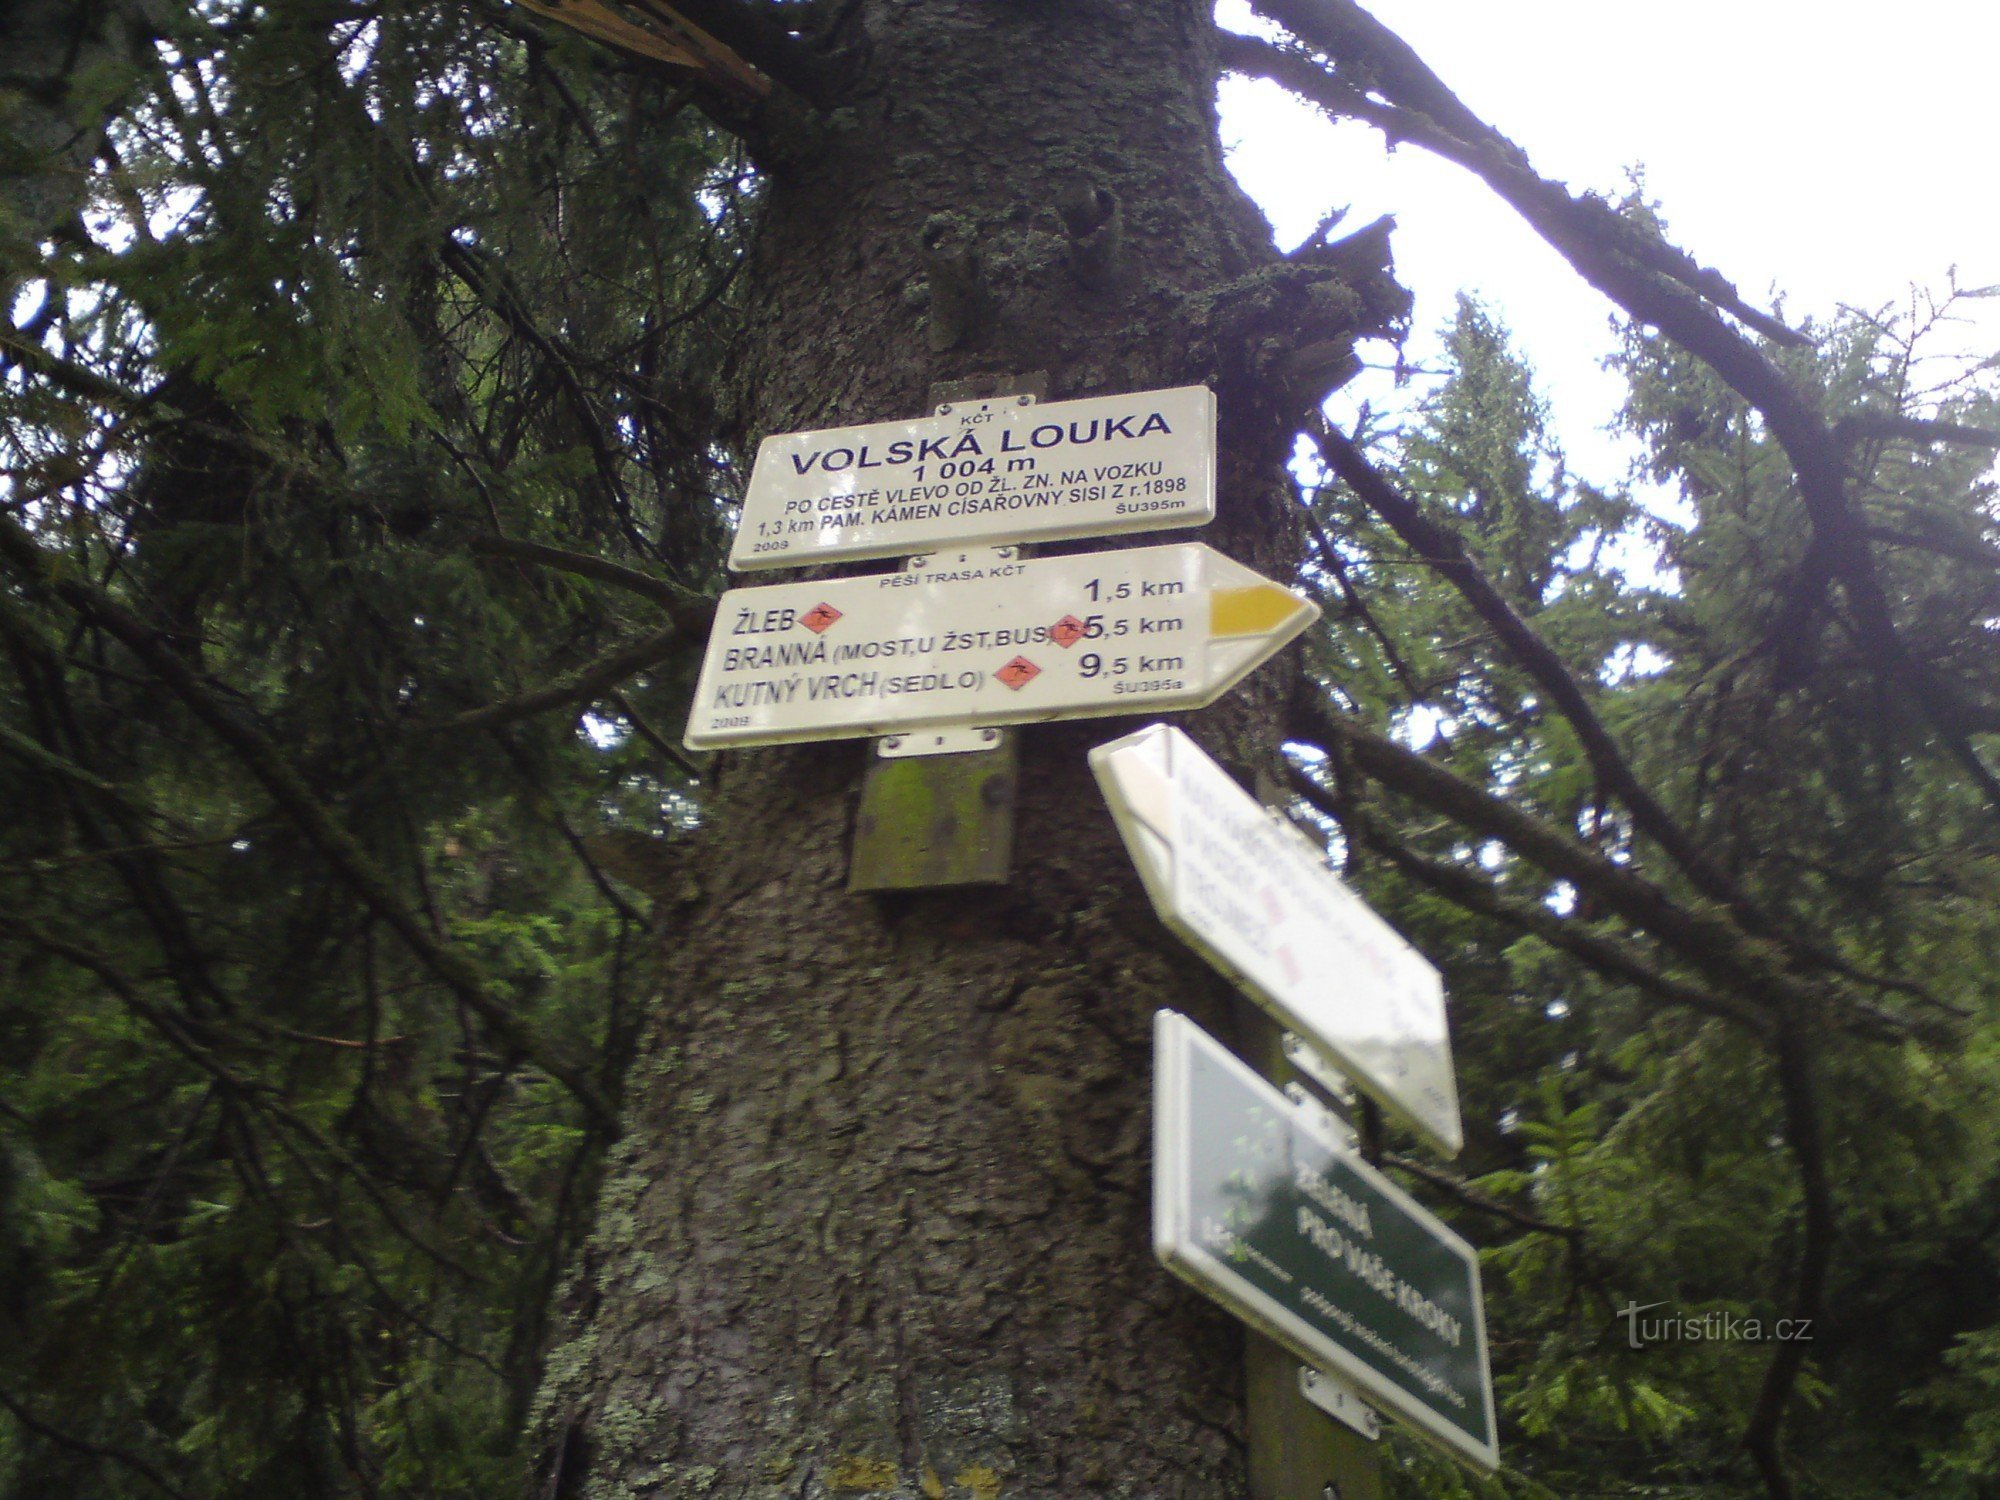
981	472
1253	896
981	638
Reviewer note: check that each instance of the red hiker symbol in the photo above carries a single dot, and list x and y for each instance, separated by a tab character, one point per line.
819	619
1067	631
1018	673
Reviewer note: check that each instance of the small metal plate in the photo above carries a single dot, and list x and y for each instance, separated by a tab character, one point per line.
939	820
960	558
1330	1122
937	742
1305	1057
1340	1401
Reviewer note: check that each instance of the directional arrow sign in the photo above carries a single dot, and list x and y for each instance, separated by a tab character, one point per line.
1309	1243
984	639
1253	895
981	471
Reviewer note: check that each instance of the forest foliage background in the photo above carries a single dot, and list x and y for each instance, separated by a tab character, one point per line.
366	462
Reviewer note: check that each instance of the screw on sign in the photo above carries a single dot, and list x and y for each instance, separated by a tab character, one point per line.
1018	673
819	619
1067	631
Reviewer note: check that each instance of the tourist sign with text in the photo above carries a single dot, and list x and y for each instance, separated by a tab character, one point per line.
1310	1244
1253	895
982	638
981	472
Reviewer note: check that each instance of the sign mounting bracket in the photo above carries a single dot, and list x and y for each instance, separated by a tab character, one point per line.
1340	1401
925	742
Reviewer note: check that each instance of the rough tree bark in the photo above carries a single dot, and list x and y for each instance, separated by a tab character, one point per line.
878	1222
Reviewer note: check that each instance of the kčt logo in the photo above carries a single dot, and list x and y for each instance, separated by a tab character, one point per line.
1710	1327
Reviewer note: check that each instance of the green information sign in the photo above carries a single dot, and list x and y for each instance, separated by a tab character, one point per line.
1314	1246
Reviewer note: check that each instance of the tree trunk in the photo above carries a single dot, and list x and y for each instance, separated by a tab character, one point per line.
879	1221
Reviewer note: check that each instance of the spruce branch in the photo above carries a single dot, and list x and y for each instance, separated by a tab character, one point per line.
1965	550
1438	545
1461	1191
1805	1139
591	683
191	1038
693	614
1355	605
44	759
26	1416
653	736
288	789
1868	426
1651	281
491	284
1701	936
1464	889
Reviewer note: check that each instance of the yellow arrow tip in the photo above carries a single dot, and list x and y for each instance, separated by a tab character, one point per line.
1260	609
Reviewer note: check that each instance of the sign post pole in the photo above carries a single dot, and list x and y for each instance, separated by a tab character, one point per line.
1297	1452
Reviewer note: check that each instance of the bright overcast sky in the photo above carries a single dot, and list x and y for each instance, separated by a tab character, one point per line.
1834	150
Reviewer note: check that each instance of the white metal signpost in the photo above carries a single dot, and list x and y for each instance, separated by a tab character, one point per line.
981	472
983	638
1304	1240
1254	896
